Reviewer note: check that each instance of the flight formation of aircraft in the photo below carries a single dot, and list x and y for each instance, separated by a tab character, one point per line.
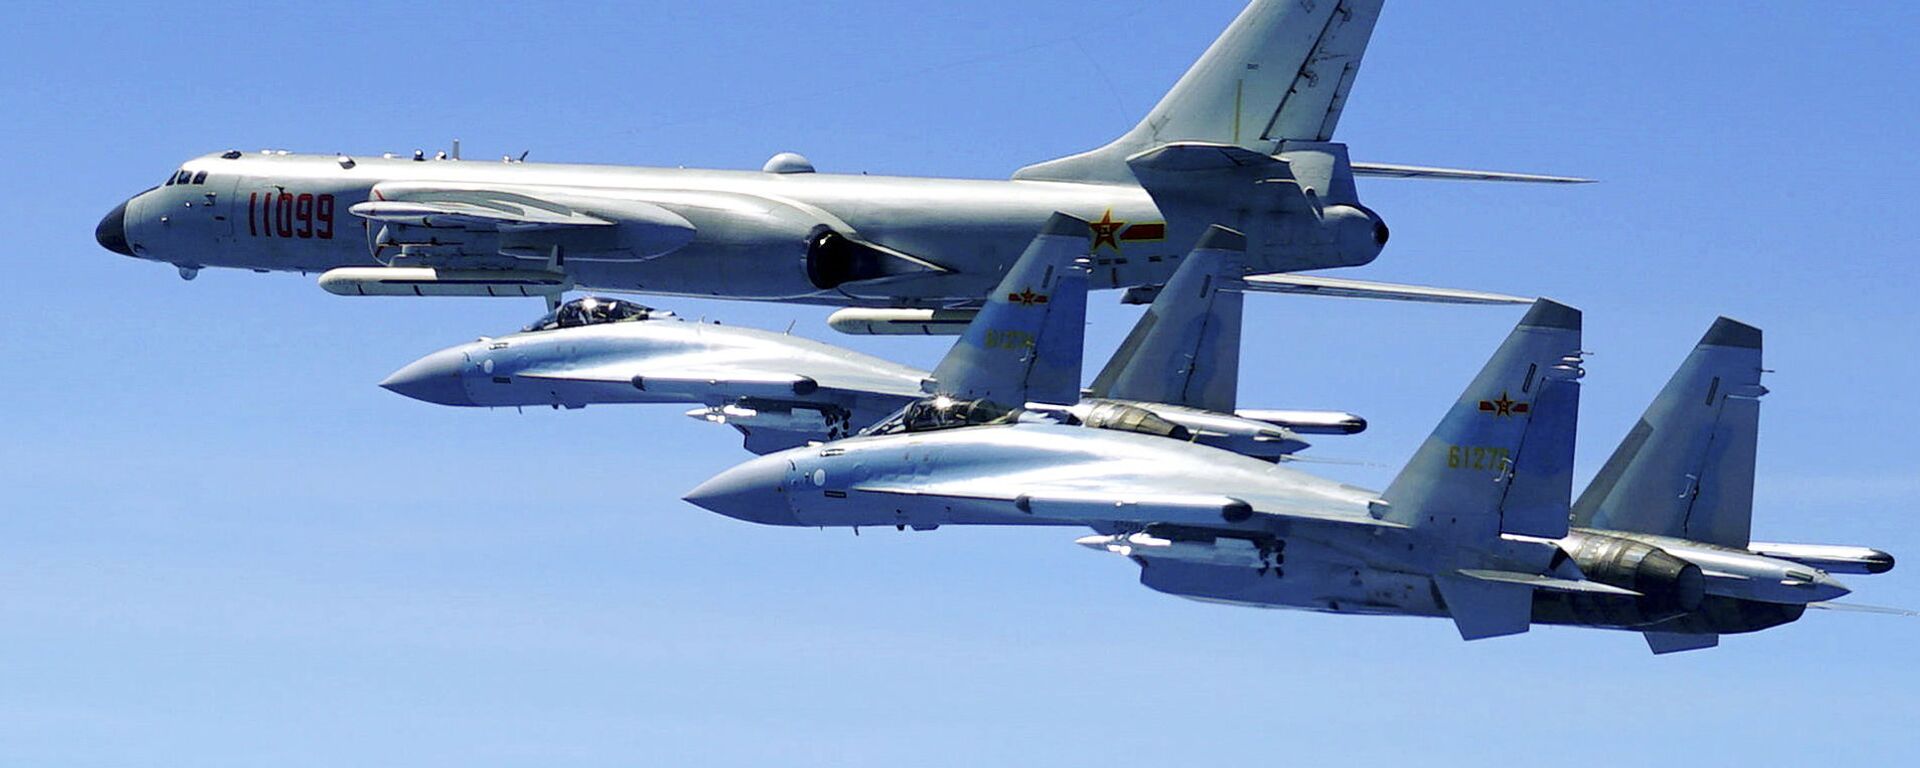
1228	186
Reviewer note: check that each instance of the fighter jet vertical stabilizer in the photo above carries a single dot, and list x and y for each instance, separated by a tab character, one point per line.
1503	455
1686	468
1186	349
1036	317
1501	461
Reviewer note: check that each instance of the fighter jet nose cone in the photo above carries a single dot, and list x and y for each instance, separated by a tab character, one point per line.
753	492
112	231
434	379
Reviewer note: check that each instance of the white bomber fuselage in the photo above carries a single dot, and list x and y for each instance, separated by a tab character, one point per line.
290	212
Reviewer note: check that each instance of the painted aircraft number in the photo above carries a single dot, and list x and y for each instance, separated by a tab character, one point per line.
1009	340
286	214
1476	457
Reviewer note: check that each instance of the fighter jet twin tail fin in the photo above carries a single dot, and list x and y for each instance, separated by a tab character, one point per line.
1686	468
1501	461
1186	349
1027	342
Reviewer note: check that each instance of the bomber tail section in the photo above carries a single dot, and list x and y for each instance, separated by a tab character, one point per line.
1027	342
1281	71
1186	349
1501	461
1686	468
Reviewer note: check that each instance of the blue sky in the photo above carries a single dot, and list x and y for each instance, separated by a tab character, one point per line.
222	545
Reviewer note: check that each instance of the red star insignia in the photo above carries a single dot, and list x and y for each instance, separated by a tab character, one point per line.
1106	231
1027	298
1505	406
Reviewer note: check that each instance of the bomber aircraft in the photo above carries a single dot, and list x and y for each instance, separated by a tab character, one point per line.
1244	139
1475	527
1179	367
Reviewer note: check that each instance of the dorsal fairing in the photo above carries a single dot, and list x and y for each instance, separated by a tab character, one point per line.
1686	468
1185	350
1027	341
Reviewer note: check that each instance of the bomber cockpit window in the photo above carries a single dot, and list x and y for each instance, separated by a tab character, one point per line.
593	310
200	178
943	412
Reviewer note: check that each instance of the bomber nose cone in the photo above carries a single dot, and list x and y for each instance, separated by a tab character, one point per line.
112	231
434	379
750	492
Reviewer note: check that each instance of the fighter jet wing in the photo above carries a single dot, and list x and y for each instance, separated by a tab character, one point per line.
1068	504
721	384
1348	288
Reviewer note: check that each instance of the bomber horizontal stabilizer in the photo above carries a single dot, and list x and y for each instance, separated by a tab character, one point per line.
1390	170
1347	288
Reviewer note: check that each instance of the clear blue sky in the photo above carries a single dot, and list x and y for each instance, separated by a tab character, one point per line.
222	545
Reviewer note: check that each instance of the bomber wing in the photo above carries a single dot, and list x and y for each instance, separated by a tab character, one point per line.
436	223
1347	288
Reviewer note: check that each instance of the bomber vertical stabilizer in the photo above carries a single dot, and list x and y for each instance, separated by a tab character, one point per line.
1186	349
1280	72
1027	342
1686	468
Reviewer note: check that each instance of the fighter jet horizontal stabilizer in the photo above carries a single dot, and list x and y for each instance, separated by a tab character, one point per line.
1483	609
1546	582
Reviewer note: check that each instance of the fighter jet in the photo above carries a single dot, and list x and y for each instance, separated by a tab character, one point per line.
1243	140
1475	527
1180	365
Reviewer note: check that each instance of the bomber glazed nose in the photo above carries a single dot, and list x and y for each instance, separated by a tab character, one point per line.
112	231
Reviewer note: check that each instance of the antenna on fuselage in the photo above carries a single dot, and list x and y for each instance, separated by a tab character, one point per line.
456	149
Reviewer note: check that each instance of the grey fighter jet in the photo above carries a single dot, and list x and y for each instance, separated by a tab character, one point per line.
1244	140
1474	528
1179	366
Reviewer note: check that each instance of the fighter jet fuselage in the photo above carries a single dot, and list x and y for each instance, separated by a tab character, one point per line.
788	236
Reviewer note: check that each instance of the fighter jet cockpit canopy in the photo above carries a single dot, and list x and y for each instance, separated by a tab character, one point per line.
594	310
943	412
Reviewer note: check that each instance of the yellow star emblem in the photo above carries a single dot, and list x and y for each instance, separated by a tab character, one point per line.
1106	231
